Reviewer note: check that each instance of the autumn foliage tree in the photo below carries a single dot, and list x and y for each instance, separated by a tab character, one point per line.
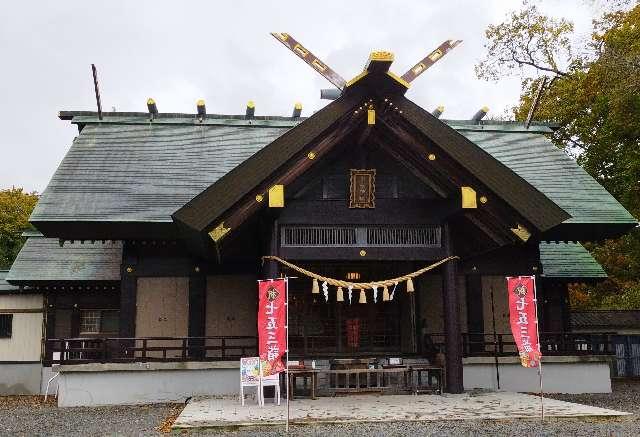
15	208
594	98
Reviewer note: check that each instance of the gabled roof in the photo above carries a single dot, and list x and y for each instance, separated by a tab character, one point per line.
44	260
208	207
126	169
569	261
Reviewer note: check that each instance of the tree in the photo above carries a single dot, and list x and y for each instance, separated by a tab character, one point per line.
15	208
594	99
527	40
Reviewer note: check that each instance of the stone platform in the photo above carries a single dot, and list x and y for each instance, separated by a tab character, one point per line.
208	412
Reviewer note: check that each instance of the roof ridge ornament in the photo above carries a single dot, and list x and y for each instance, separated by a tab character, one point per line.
379	62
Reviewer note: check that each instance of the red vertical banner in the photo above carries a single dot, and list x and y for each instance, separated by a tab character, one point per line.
524	318
272	319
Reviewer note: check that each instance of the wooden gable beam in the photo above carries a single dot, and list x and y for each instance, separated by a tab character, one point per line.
256	199
454	172
540	211
421	161
501	217
441	189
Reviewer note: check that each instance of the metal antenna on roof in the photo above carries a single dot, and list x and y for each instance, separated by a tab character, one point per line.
536	101
97	90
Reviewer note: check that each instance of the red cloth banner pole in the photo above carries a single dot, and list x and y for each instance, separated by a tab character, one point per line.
523	316
272	321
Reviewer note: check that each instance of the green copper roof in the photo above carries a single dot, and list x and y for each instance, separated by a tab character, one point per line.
43	259
569	260
537	160
128	169
5	287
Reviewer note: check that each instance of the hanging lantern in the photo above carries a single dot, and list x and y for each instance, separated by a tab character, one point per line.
315	289
363	296
410	288
339	295
385	294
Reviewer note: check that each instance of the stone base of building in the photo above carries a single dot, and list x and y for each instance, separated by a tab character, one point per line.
20	378
561	374
144	383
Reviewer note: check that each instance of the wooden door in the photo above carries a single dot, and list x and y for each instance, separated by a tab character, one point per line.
162	310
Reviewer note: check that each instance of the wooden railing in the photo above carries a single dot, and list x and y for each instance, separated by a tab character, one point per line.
145	349
551	343
220	348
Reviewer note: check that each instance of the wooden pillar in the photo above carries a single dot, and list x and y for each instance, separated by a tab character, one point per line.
75	319
50	324
270	270
128	293
475	316
50	314
197	313
453	337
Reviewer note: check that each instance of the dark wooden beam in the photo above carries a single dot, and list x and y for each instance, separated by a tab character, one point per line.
453	336
475	315
128	293
371	253
387	212
271	267
488	229
197	311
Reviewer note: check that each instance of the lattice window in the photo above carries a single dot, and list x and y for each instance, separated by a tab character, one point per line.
90	322
99	321
403	237
366	236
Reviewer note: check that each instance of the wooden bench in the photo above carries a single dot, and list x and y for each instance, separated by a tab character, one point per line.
360	380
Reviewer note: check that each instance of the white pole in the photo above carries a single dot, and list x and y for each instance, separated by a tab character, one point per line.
286	373
535	299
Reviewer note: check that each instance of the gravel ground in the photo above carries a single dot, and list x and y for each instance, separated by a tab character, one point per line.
28	416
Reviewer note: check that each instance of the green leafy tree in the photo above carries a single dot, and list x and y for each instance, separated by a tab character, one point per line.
15	208
594	98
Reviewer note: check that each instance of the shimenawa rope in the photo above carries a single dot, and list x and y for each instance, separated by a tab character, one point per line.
359	285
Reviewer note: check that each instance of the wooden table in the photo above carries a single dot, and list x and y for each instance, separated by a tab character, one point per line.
432	372
304	373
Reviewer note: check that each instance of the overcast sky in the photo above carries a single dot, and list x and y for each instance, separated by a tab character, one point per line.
222	52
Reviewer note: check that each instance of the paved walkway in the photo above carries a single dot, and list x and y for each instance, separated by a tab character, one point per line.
375	408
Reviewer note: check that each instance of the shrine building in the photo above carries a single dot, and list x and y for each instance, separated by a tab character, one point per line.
152	231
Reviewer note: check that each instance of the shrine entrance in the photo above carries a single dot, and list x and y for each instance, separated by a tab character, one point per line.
328	328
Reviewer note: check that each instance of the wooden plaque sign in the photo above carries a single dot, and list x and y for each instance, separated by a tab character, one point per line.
363	189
